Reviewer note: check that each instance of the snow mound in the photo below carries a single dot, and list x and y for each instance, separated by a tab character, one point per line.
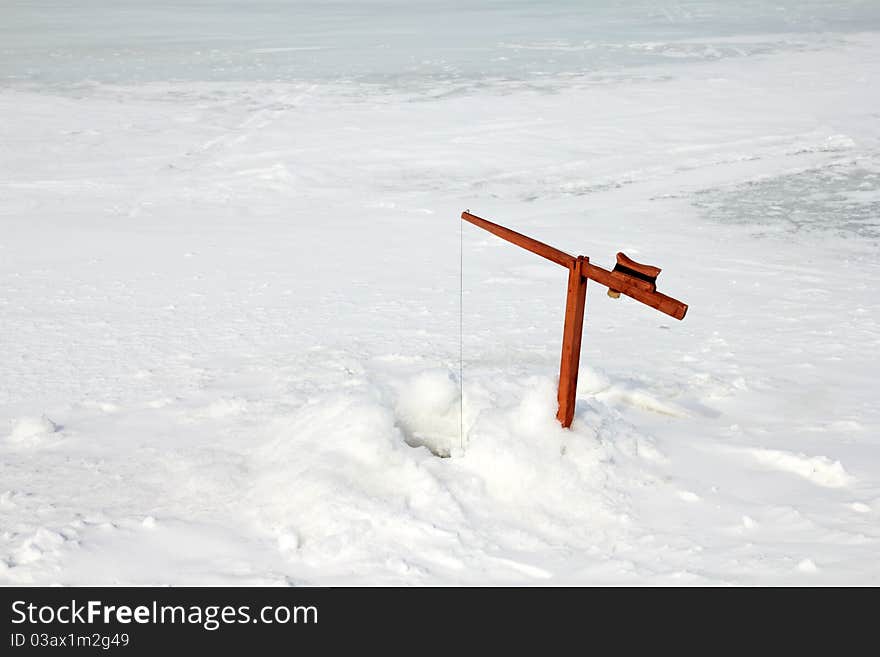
338	482
428	408
820	470
32	431
807	566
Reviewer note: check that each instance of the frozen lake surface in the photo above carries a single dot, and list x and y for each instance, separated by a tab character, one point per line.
230	281
398	42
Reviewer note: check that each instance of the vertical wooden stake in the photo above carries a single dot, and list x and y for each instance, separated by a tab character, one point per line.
571	339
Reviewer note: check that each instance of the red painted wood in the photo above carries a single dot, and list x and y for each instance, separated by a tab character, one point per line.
648	270
628	286
572	334
543	250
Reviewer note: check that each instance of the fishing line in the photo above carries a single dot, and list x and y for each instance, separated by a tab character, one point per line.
461	333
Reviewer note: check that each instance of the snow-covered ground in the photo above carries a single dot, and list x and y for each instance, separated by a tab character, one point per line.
230	287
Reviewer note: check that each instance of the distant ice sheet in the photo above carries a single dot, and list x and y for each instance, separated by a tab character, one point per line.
395	41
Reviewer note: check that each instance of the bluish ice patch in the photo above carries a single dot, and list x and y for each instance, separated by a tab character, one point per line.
841	199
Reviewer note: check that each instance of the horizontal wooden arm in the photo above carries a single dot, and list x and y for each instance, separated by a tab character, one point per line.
543	250
633	288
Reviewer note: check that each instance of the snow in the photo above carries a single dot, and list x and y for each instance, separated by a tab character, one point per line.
230	287
32	430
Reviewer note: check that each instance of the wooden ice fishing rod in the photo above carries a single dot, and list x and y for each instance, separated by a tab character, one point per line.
628	277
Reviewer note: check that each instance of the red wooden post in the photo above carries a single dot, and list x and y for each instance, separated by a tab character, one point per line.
575	302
